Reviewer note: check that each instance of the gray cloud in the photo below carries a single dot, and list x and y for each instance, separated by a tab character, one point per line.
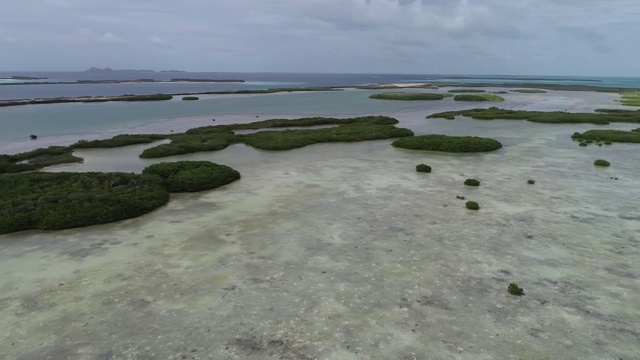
411	36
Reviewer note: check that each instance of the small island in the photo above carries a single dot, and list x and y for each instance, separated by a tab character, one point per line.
407	96
444	143
54	201
479	97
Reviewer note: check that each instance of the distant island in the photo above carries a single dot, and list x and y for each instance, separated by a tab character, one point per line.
110	70
17	77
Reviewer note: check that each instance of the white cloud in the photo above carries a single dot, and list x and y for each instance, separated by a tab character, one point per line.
160	43
6	38
90	38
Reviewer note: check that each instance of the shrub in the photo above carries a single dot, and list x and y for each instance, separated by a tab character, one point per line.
531	181
582	143
423	168
601	162
462	91
407	96
191	176
514	289
472	205
478	97
608	136
454	144
190	98
472	182
52	201
601	117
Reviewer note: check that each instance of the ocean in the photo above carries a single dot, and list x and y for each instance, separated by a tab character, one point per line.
22	89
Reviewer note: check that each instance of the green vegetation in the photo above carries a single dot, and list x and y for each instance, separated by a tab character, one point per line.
472	182
462	91
454	144
51	201
119	141
407	96
155	97
530	91
190	98
479	97
292	139
37	159
608	136
192	176
601	162
601	117
514	289
582	143
531	181
472	205
423	168
211	138
630	98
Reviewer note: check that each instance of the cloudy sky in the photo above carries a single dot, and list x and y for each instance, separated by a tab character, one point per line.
536	37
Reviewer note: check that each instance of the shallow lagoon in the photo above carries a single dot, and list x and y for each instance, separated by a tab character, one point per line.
343	251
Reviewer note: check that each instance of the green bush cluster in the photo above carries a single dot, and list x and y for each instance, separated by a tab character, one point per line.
472	182
602	117
37	159
601	162
212	138
530	91
155	97
292	139
463	91
119	141
479	97
472	205
187	143
608	136
190	98
514	289
630	98
407	96
191	176
454	144
423	168
51	201
531	182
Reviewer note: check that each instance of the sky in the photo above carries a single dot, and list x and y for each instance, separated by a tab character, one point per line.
518	37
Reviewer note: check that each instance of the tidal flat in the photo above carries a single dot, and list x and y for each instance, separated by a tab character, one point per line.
344	251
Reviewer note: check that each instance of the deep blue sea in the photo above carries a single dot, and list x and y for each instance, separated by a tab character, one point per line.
12	89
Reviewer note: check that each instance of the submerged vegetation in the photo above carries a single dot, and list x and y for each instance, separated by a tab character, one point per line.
407	96
608	136
602	116
479	97
423	168
453	144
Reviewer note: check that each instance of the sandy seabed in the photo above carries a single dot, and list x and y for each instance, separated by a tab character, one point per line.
343	251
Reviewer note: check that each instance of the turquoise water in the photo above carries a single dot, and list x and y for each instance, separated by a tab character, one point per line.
58	119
